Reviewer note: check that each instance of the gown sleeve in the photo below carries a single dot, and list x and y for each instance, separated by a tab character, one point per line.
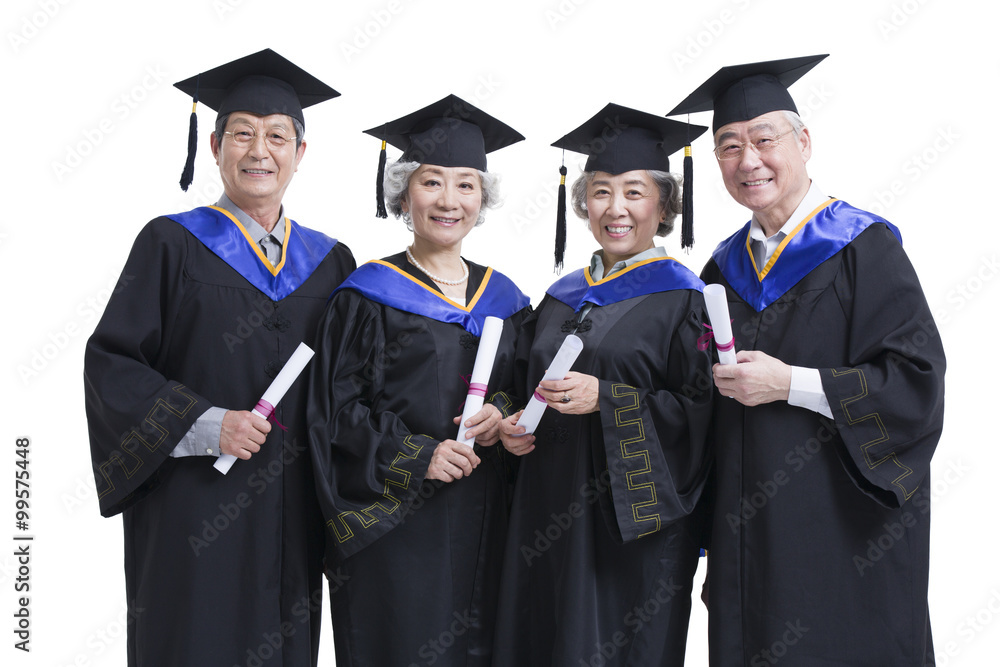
654	438
368	466
888	401
135	414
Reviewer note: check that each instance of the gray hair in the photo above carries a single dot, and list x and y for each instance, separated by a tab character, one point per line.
220	129
794	120
397	183
670	197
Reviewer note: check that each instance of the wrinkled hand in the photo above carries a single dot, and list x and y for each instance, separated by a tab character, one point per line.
516	445
756	378
451	460
242	433
580	389
484	426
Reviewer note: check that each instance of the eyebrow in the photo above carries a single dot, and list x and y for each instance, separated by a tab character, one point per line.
725	136
601	181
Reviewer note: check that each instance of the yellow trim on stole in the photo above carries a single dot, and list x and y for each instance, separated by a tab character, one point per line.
592	282
777	253
256	246
468	308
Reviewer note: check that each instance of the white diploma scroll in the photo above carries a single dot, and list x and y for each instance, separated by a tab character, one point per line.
488	343
718	314
265	406
561	363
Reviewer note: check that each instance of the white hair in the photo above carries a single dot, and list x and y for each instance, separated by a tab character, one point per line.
397	182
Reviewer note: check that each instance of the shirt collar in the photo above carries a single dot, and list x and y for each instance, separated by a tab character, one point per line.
253	228
597	261
814	197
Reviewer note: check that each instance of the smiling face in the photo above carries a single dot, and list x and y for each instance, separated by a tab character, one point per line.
444	203
255	175
624	212
771	183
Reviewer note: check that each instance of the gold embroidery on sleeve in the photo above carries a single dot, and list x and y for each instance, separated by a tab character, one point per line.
151	425
883	437
641	457
366	517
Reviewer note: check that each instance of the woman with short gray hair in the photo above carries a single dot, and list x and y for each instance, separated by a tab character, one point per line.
416	519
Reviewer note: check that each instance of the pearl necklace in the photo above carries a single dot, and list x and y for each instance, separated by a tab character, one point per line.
465	267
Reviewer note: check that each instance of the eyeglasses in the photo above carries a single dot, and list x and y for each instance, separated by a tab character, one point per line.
762	144
246	135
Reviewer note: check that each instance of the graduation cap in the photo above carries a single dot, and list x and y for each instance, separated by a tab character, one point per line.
619	139
448	133
261	83
741	92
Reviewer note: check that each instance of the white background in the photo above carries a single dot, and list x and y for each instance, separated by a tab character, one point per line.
902	116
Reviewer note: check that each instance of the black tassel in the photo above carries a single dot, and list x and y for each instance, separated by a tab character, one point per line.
561	220
187	176
380	211
687	205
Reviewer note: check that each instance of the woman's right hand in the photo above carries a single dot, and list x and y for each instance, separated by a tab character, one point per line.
451	460
513	443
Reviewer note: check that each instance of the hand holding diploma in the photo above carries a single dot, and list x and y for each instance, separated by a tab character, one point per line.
481	370
558	370
265	406
718	315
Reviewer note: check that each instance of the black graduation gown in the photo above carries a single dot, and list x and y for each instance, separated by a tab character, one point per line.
219	569
602	547
413	564
819	548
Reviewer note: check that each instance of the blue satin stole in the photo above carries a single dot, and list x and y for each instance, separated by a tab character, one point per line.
658	274
302	249
389	285
820	236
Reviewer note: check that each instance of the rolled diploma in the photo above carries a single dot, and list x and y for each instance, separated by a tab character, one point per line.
265	406
488	343
561	363
718	315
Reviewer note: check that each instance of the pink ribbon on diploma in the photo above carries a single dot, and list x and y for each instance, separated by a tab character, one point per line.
477	389
705	339
267	411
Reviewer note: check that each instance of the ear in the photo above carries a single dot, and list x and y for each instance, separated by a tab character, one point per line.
214	142
299	153
403	204
805	144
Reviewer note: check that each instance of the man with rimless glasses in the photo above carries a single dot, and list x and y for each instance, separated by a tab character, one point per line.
219	569
820	505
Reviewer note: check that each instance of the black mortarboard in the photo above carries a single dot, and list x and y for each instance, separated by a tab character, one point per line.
619	139
741	92
448	133
262	83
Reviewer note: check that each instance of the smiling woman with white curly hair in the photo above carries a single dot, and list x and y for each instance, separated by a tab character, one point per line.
397	345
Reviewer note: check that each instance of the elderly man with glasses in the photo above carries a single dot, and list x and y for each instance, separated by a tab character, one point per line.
219	569
821	503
